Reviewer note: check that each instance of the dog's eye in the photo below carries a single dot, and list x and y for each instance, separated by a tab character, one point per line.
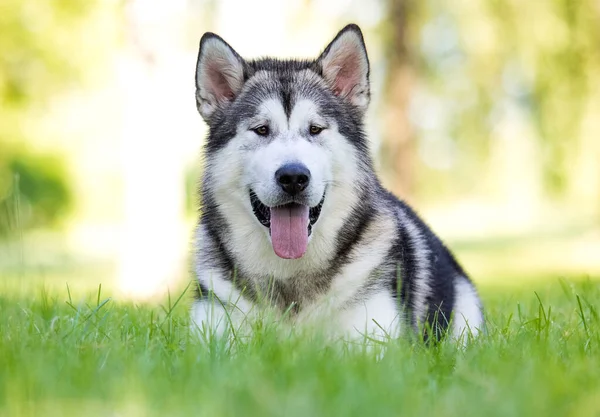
315	130
261	130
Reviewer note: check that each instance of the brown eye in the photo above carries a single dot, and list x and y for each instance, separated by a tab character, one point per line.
315	130
261	130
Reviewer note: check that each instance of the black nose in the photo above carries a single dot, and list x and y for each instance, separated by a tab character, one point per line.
293	178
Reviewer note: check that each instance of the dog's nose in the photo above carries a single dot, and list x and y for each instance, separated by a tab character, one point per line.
293	178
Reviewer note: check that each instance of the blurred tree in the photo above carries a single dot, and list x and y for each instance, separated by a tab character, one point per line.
397	153
510	66
547	56
39	42
33	189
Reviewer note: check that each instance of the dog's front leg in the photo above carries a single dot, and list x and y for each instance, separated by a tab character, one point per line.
375	320
220	310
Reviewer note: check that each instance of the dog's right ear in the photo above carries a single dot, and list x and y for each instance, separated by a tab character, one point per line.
219	75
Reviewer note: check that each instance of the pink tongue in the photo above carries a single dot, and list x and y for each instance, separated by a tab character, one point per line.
289	230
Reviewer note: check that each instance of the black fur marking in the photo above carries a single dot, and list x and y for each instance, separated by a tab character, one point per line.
443	272
217	230
200	291
441	296
286	95
403	276
351	233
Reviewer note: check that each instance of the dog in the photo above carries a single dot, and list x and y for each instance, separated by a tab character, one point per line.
294	219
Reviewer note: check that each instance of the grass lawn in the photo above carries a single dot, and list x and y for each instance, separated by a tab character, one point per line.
73	354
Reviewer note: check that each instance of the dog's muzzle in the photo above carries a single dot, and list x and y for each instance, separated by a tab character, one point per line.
289	225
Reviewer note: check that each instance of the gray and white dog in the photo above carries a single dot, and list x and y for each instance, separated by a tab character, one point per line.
294	219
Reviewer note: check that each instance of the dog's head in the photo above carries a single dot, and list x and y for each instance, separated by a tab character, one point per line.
285	135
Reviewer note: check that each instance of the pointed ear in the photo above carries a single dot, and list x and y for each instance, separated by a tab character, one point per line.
345	66
219	74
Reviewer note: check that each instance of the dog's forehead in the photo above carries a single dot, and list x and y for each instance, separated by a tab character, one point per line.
272	111
285	87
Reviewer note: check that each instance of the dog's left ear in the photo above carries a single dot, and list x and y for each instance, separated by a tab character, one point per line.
345	66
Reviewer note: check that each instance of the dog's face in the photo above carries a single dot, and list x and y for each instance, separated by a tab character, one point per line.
285	136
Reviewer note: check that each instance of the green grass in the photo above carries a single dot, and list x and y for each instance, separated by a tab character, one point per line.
64	355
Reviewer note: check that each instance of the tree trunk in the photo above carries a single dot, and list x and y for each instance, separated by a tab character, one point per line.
398	145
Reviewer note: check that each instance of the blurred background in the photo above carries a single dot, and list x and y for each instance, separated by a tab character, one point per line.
485	116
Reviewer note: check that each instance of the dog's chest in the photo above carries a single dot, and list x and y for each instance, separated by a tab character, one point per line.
322	301
294	294
301	294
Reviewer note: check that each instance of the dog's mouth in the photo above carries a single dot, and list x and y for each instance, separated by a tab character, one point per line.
289	225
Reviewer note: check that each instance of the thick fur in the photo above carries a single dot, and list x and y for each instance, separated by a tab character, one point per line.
372	266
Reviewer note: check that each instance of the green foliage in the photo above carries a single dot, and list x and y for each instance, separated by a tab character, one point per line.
192	174
560	52
95	356
534	63
38	43
34	191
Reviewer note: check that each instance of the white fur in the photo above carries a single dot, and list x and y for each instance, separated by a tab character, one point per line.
237	167
210	318
377	317
209	314
468	318
351	279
